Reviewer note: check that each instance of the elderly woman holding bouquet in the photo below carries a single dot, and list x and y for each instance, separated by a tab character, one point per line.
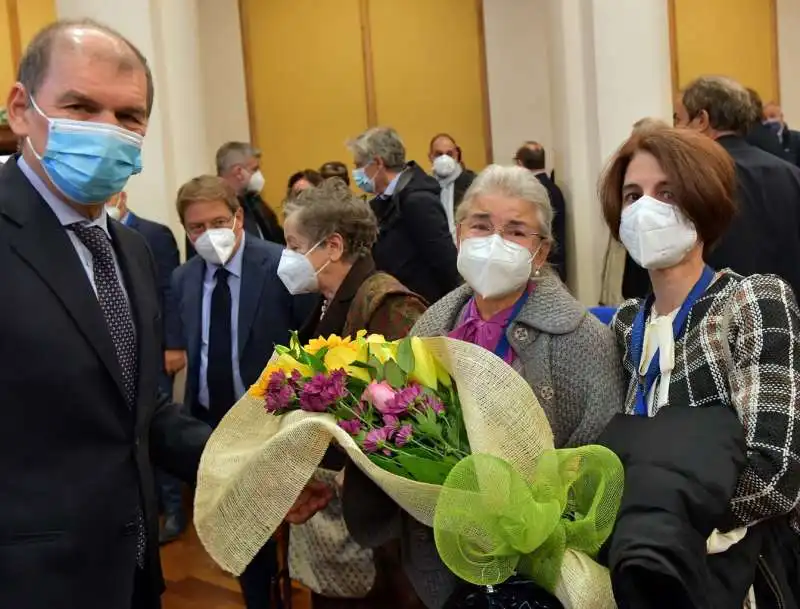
515	307
329	236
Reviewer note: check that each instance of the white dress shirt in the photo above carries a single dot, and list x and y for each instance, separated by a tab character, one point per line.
66	216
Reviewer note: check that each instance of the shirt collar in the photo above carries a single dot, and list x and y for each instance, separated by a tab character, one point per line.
233	266
66	215
392	185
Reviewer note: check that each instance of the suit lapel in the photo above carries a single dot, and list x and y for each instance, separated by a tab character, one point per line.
43	243
194	312
252	283
138	276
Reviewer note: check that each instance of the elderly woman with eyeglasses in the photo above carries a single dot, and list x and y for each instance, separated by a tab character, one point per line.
515	307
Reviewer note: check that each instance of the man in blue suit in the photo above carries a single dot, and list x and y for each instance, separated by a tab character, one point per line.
228	309
162	244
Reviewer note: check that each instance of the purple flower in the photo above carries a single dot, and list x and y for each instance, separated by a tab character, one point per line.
375	441
434	403
279	394
390	425
353	426
322	391
403	436
402	401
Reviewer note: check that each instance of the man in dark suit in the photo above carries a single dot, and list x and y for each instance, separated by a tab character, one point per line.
415	244
788	138
765	235
228	309
531	156
80	327
761	134
162	245
448	168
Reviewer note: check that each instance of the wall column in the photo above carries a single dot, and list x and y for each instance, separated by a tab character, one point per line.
176	146
609	67
788	24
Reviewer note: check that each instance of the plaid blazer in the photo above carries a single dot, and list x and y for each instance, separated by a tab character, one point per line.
741	347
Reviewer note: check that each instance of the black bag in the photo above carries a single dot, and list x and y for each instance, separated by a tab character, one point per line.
516	593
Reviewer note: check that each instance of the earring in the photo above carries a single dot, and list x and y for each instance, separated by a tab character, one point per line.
537	272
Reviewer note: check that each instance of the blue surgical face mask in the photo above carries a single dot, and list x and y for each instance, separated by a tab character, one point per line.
363	181
88	162
775	125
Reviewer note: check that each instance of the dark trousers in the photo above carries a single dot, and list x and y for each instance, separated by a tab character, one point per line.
170	489
257	579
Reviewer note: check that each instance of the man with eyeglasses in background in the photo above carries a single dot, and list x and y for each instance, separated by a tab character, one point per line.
227	310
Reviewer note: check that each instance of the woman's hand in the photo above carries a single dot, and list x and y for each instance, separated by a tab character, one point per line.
314	498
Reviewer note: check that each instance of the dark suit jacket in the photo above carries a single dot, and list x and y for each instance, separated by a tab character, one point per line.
761	136
162	244
791	145
460	187
75	459
557	255
414	243
267	313
765	234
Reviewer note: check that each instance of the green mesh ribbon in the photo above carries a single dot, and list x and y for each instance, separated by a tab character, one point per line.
490	522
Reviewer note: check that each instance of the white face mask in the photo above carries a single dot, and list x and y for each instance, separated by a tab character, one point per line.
657	235
444	166
297	273
494	267
113	212
256	183
216	245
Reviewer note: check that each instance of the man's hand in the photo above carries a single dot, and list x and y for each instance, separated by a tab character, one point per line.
315	497
174	361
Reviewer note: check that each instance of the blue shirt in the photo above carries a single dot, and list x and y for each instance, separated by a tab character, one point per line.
392	185
67	215
234	267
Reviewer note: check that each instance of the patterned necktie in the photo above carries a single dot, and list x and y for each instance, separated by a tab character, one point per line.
119	321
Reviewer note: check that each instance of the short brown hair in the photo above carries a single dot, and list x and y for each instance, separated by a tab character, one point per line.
727	103
335	169
206	188
332	208
701	174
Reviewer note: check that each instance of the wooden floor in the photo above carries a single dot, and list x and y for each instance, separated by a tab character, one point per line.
195	582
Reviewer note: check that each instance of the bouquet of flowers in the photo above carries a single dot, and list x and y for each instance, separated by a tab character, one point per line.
393	398
447	430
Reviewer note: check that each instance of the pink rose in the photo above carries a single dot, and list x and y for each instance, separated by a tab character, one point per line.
380	395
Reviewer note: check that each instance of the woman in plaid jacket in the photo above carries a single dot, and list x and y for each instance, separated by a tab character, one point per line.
705	337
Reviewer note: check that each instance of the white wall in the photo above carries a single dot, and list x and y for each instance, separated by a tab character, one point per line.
176	146
516	33
222	60
789	59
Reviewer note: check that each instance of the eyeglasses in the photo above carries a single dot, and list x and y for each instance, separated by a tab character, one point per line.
195	230
479	227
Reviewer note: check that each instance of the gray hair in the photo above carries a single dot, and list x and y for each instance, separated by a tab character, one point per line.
35	62
332	208
727	103
515	182
381	143
234	153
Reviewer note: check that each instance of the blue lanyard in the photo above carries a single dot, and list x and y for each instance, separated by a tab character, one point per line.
503	346
643	386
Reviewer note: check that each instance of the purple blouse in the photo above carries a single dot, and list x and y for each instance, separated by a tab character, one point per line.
484	333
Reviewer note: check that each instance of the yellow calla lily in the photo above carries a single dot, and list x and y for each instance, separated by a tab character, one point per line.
341	357
443	375
424	364
287	363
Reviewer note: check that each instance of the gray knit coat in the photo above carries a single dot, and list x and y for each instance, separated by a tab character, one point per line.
571	362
